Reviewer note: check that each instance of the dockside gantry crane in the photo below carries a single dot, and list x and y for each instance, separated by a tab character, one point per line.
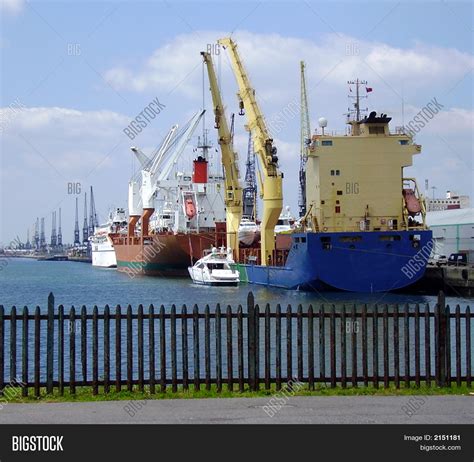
233	189
271	185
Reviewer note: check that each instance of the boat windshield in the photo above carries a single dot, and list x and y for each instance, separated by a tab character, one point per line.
216	266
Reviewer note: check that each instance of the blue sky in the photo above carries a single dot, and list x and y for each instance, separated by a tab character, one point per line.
74	106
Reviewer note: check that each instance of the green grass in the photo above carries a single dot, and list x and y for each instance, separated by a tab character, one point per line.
84	394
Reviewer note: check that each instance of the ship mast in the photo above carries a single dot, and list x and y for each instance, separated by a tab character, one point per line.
354	110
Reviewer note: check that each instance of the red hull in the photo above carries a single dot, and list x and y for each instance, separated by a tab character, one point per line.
162	254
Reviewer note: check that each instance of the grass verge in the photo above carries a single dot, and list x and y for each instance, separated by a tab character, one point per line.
84	394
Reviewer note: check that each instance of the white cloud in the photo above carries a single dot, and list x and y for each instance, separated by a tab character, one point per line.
12	6
273	63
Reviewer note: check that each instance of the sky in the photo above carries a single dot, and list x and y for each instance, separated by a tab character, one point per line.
74	74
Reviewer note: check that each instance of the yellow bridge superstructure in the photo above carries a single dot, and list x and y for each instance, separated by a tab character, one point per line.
354	182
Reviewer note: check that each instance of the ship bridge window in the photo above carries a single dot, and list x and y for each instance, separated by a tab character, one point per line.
376	130
403	142
326	143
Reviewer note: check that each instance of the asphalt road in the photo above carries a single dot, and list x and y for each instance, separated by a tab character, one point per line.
293	410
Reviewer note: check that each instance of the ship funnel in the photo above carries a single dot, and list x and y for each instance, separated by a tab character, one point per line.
200	170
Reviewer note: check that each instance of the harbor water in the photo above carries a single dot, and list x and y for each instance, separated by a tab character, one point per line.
26	282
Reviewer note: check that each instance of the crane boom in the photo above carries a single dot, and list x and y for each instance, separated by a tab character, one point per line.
233	196
271	185
305	138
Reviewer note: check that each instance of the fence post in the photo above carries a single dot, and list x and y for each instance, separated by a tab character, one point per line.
50	345
441	341
251	342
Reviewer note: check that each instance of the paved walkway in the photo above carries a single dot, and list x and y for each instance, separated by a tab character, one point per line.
297	410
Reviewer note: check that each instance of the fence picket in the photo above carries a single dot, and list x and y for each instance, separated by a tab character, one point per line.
278	347
151	348
184	346
343	348
354	329
375	346
37	351
240	348
311	347
365	373
72	351
95	352
141	354
118	348
106	349
162	350
299	342
84	343
197	379
174	374
427	346
207	348
13	330
61	349
129	350
267	347
50	345
230	364
289	353
24	353
396	346
218	348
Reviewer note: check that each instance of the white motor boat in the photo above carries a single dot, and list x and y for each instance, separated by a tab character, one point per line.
214	268
249	232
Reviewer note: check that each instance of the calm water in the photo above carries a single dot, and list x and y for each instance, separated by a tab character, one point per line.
28	282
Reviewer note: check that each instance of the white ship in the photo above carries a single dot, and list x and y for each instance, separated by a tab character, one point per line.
215	268
103	252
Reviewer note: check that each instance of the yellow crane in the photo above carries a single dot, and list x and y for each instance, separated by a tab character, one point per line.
233	190
271	185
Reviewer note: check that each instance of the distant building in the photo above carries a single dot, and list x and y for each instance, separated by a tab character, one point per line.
452	201
453	230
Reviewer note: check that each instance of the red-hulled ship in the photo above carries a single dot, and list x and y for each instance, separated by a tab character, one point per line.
189	217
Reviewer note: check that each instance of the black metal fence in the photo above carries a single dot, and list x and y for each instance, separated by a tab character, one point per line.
240	349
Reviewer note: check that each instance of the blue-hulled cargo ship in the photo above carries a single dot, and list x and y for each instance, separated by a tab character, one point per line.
364	230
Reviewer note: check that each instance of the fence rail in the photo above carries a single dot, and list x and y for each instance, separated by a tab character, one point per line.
240	349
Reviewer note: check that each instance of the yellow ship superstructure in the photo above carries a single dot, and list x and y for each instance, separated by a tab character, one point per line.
354	182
